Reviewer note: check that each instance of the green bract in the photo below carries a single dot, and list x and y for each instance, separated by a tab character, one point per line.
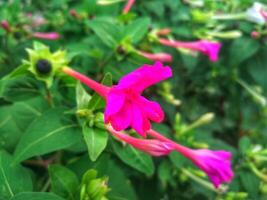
39	52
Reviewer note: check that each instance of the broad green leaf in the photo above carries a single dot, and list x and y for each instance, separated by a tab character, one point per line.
106	30
63	182
96	141
137	29
242	49
46	134
13	178
97	102
20	70
250	183
15	118
19	88
244	145
36	196
134	158
82	97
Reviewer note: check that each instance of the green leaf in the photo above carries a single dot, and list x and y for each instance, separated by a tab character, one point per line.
244	145
36	196
137	29
46	134
248	48
106	30
97	102
82	97
15	118
134	158
20	70
19	88
96	141
63	181
13	178
251	183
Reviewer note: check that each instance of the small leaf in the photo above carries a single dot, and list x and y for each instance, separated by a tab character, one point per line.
46	134
82	97
13	178
36	196
249	48
63	181
134	158
96	141
137	29
97	102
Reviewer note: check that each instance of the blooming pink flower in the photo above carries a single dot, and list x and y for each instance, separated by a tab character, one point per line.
263	13
162	57
216	164
128	6
125	106
151	146
211	49
46	36
5	25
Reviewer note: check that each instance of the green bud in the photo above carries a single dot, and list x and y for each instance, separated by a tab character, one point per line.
226	35
199	16
99	121
44	64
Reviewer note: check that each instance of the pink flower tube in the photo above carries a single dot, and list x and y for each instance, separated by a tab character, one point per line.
125	106
128	6
216	164
162	57
151	146
211	49
46	36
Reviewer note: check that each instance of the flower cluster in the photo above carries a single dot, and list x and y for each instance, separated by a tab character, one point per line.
125	107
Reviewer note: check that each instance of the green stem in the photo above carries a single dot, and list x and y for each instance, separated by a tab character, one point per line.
236	16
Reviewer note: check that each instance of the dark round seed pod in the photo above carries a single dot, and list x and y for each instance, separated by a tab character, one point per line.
43	66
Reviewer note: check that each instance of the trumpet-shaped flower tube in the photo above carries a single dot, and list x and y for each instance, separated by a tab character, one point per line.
125	106
208	48
216	164
151	146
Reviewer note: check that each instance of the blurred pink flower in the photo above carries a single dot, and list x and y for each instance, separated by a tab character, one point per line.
255	34
125	106
151	146
216	164
264	14
46	36
5	25
211	49
162	57
128	6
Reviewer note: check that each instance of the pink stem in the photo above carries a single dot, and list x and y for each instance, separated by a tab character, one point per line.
185	151
128	6
102	90
175	44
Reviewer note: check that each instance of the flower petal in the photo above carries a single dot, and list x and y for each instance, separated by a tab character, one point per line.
152	109
115	102
145	76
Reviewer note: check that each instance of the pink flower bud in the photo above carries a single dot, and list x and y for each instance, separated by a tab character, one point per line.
255	34
128	6
5	25
164	31
46	36
162	57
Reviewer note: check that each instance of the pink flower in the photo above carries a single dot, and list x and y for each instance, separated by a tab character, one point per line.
125	106
46	36
151	146
5	25
216	164
255	34
211	49
162	57
128	6
263	13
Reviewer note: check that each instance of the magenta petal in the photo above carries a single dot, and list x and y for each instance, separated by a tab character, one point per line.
115	101
152	109
216	164
122	119
211	49
145	76
139	122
